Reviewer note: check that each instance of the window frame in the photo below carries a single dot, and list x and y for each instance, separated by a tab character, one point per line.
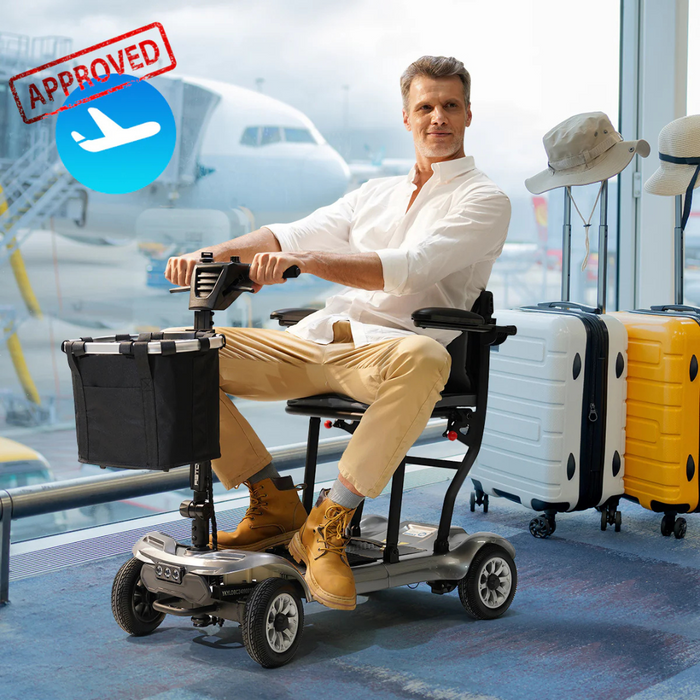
653	46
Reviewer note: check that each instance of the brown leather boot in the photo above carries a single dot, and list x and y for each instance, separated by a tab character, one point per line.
320	544
274	515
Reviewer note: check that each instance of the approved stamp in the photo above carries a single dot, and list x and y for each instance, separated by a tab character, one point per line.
142	53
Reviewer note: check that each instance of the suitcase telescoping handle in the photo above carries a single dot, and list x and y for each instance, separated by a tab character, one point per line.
678	247
567	305
677	307
566	249
602	249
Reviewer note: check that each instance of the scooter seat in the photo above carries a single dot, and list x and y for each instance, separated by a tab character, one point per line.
341	406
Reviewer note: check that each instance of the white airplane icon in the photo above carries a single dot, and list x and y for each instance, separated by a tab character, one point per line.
114	135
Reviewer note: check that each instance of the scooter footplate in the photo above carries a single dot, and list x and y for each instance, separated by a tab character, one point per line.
363	552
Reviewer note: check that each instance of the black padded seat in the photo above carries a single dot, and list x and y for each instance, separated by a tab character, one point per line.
340	406
458	392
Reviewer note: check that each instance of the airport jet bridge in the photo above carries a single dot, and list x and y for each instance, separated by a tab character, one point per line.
33	186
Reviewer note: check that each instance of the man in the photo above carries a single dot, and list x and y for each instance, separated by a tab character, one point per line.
398	244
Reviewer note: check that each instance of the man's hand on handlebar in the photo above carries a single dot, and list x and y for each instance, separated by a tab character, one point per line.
268	268
179	269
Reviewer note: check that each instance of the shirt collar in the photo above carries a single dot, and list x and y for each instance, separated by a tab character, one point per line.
446	170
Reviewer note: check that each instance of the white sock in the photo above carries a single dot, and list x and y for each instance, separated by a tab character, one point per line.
343	496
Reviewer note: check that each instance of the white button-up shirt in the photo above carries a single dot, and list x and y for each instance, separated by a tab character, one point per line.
438	253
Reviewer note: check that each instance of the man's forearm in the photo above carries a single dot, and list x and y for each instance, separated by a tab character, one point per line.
245	247
362	270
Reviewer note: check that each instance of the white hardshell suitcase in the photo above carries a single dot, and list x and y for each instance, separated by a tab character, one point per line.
554	438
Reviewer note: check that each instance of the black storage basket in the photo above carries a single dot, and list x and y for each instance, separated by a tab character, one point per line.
146	402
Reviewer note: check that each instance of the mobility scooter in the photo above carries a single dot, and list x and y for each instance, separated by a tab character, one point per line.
263	591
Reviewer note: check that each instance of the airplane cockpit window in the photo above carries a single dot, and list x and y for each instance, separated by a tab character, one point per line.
250	136
270	134
274	134
298	136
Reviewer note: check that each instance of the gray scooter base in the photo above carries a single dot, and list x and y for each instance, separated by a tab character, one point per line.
191	591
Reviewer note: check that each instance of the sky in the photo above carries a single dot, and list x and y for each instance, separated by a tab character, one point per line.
533	62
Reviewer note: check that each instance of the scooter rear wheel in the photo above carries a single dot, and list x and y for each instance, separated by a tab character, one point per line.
132	602
487	590
273	622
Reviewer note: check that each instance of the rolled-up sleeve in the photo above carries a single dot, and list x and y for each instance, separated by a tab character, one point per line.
472	232
328	228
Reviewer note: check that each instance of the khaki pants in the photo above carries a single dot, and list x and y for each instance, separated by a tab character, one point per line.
401	379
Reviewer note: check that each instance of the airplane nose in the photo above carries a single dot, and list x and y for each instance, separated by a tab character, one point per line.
325	175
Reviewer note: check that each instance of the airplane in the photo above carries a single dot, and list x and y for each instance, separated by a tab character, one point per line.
242	160
113	135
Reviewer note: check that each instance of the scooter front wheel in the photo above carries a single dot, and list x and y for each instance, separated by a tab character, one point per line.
132	602
273	622
488	588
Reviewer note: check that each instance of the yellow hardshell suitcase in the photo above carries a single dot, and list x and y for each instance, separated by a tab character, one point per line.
663	412
663	403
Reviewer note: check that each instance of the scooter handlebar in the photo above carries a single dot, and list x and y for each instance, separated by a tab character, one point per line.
290	272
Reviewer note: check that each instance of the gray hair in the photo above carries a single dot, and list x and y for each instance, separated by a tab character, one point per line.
436	67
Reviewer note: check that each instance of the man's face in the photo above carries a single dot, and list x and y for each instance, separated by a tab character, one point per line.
437	115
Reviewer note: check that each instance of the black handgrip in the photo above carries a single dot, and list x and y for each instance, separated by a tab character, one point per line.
292	271
676	307
565	305
502	333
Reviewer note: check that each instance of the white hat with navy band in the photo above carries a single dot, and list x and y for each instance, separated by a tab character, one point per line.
679	153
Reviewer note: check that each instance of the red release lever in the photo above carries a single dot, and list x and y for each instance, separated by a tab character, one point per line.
451	435
328	424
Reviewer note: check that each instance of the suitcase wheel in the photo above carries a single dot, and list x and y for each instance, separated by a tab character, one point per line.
478	498
609	515
672	525
543	526
679	529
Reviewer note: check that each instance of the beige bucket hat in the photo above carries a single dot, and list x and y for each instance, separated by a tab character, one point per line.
584	149
679	153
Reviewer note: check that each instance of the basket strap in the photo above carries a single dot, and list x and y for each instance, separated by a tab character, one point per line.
79	394
149	402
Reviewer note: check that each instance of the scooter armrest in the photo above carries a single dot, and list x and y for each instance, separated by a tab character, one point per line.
290	317
448	318
460	320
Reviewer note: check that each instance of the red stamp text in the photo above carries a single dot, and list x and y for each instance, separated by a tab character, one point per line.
143	53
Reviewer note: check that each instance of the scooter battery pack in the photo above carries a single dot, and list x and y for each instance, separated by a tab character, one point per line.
146	402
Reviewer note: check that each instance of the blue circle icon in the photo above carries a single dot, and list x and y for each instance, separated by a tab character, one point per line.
119	142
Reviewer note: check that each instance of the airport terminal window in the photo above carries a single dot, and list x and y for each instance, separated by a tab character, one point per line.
107	276
270	134
691	276
298	136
